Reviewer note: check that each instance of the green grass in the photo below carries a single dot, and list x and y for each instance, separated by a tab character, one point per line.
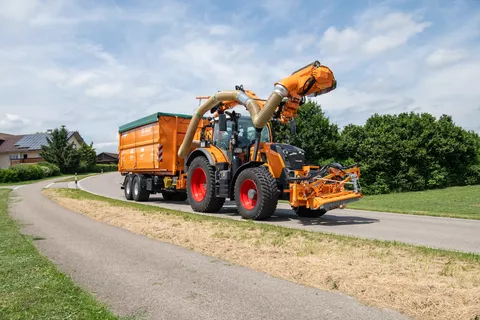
5	184
79	177
31	287
455	202
279	231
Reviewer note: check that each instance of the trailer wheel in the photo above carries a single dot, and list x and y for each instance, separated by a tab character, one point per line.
139	194
201	186
308	213
127	187
256	193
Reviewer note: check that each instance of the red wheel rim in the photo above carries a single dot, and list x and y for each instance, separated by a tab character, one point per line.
198	184
248	202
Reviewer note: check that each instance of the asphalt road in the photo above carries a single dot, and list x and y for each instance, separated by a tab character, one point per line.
446	233
135	275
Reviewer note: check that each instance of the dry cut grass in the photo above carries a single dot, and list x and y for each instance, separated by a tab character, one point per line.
419	282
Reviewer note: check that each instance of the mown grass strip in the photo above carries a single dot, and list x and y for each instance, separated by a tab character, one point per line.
420	282
31	287
455	202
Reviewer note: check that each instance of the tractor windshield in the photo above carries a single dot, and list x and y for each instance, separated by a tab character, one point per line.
246	134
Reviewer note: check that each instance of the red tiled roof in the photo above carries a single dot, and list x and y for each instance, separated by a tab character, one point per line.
9	144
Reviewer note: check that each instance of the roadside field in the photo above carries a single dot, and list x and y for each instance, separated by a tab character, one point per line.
31	287
455	202
417	281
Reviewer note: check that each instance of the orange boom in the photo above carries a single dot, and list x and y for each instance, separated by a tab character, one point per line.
229	156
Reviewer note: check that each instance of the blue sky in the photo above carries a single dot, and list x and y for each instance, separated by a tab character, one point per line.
94	65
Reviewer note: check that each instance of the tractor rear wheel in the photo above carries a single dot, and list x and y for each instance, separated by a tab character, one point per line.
256	193
201	187
139	194
127	187
308	213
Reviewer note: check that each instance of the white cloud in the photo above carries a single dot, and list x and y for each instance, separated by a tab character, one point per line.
393	30
340	41
442	57
105	90
13	123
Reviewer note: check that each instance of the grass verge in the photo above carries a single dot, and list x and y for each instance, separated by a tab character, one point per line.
455	202
420	282
31	287
6	184
79	177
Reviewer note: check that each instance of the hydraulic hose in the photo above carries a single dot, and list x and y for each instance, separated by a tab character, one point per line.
260	116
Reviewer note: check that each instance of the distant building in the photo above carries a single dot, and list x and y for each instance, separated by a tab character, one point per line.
26	148
107	158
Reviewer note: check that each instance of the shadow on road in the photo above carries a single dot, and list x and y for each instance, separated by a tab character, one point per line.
326	220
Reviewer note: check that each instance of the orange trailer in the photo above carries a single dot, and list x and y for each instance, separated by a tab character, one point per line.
149	146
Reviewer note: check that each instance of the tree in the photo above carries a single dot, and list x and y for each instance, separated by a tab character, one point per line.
60	152
88	157
410	152
314	133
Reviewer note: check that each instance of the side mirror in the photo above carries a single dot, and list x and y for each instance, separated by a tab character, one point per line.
293	127
222	122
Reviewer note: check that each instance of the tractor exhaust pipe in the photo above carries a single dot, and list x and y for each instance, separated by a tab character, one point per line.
260	116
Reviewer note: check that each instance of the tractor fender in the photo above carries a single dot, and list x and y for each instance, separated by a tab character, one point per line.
244	166
199	152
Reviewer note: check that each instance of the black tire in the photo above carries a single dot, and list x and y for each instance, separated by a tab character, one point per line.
174	196
127	187
266	195
308	213
139	194
209	202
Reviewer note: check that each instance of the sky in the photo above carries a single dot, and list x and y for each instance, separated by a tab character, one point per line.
93	65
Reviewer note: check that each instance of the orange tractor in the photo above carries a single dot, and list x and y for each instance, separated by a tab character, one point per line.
229	156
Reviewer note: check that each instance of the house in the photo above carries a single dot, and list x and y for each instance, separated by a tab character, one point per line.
107	158
26	148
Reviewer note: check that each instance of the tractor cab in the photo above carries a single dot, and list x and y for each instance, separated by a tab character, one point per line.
236	134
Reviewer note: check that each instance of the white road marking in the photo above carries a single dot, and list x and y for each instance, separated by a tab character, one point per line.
49	185
17	187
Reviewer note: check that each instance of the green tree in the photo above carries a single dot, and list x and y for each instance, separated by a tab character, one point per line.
60	152
314	133
408	152
88	157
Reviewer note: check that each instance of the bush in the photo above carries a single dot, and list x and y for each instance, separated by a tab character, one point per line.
27	172
105	167
54	170
9	175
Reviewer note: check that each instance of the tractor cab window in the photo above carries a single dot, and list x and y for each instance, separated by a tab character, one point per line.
222	138
246	134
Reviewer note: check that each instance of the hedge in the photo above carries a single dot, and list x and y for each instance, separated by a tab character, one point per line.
26	172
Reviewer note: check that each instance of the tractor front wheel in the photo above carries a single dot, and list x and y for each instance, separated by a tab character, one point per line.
201	187
256	193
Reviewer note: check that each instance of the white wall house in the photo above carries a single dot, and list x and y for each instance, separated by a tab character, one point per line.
26	148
